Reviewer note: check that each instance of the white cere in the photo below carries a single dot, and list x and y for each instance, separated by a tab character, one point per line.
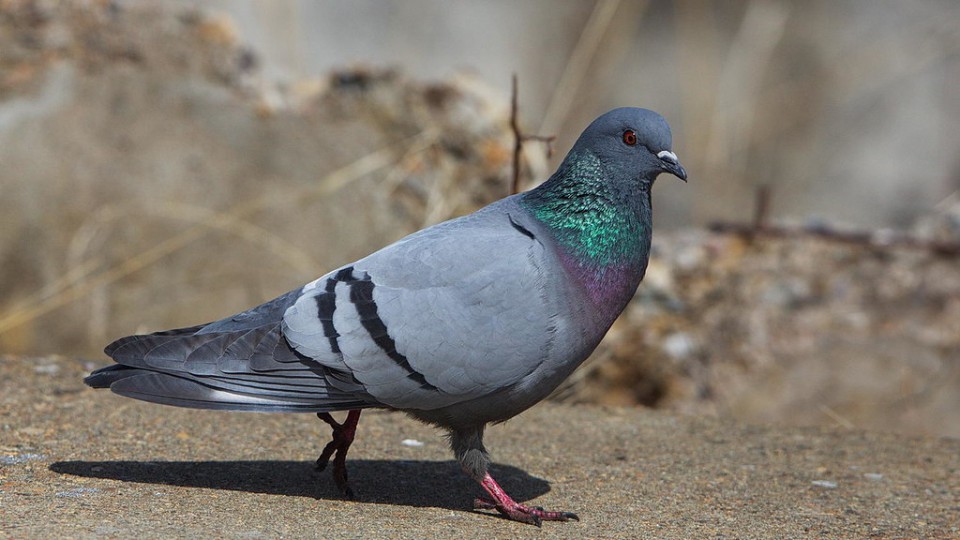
666	154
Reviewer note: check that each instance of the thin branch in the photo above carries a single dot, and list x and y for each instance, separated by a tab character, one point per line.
871	239
836	417
519	137
761	209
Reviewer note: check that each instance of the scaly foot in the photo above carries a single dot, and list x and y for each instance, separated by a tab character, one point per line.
343	435
503	503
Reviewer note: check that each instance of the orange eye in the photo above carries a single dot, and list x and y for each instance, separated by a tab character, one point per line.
629	137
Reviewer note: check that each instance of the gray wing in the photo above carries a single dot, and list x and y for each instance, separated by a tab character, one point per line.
449	314
446	315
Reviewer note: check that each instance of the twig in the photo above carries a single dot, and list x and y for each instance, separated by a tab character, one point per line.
519	138
761	210
875	240
835	416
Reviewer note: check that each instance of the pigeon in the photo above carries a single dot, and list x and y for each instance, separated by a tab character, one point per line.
462	324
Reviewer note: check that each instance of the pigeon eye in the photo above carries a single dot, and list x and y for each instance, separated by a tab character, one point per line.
629	137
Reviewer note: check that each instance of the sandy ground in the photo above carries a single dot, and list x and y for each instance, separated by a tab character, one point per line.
81	463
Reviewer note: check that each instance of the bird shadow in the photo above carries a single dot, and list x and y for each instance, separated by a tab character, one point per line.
404	483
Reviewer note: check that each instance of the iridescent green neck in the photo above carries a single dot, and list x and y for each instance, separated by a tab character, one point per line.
597	220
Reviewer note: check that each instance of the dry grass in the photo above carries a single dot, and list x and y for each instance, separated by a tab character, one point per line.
87	276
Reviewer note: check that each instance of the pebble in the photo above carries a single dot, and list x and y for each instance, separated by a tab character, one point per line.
20	458
77	492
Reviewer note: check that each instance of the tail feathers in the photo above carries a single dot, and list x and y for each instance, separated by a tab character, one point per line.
170	389
250	369
167	334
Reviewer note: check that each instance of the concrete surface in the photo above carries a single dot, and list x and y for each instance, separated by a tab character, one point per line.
81	463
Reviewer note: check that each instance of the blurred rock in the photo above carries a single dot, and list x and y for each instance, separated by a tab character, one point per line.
798	330
150	179
944	224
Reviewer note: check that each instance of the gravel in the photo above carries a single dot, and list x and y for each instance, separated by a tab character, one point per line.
83	464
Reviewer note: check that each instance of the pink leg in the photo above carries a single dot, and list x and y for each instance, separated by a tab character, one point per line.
501	502
343	435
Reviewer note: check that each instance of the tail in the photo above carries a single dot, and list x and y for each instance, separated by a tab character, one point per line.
242	363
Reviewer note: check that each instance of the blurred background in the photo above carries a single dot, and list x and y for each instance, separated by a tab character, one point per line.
167	163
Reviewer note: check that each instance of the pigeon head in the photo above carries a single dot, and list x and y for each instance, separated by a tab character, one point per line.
633	142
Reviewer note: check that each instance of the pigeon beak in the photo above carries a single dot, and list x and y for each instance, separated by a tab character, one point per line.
670	164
